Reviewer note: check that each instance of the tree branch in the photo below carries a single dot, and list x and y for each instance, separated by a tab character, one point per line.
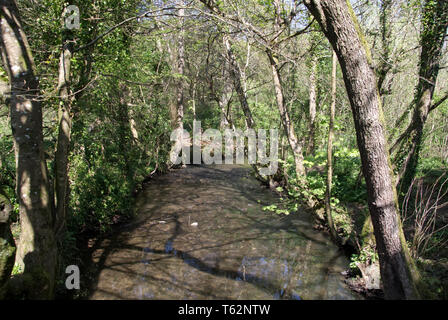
438	103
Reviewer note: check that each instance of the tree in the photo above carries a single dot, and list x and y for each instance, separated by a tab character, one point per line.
432	37
64	134
36	251
312	97
330	149
180	70
235	72
270	41
296	145
340	26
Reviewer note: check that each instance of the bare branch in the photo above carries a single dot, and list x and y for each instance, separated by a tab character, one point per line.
438	103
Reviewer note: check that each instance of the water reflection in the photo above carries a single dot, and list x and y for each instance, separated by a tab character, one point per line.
236	251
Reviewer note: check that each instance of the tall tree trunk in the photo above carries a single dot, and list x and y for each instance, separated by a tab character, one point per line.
193	92
288	125
434	28
385	64
180	71
312	106
126	135
339	23
36	251
133	126
235	73
225	99
176	103
172	102
330	149
64	139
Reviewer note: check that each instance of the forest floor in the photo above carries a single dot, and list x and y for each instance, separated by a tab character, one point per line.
201	233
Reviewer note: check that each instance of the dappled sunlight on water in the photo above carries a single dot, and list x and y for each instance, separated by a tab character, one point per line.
201	233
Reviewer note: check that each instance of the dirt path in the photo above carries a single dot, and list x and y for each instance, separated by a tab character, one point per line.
202	234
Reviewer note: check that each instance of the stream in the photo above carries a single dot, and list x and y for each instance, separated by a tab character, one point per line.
201	233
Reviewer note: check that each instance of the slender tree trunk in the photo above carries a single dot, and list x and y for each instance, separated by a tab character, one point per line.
224	100
434	28
126	135
340	26
312	106
225	97
36	252
177	57
172	103
330	149
133	125
193	89
235	73
385	64
63	142
180	71
288	125
246	66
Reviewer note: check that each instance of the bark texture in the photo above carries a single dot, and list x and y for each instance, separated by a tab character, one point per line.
340	26
288	125
225	98
64	139
36	252
312	107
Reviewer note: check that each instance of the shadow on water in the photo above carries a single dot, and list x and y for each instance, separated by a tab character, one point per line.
201	233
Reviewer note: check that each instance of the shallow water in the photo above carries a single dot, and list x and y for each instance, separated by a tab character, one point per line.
201	233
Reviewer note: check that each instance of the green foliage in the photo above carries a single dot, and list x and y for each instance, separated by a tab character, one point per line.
107	161
124	85
342	220
274	208
429	164
17	269
7	168
349	184
366	256
99	193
